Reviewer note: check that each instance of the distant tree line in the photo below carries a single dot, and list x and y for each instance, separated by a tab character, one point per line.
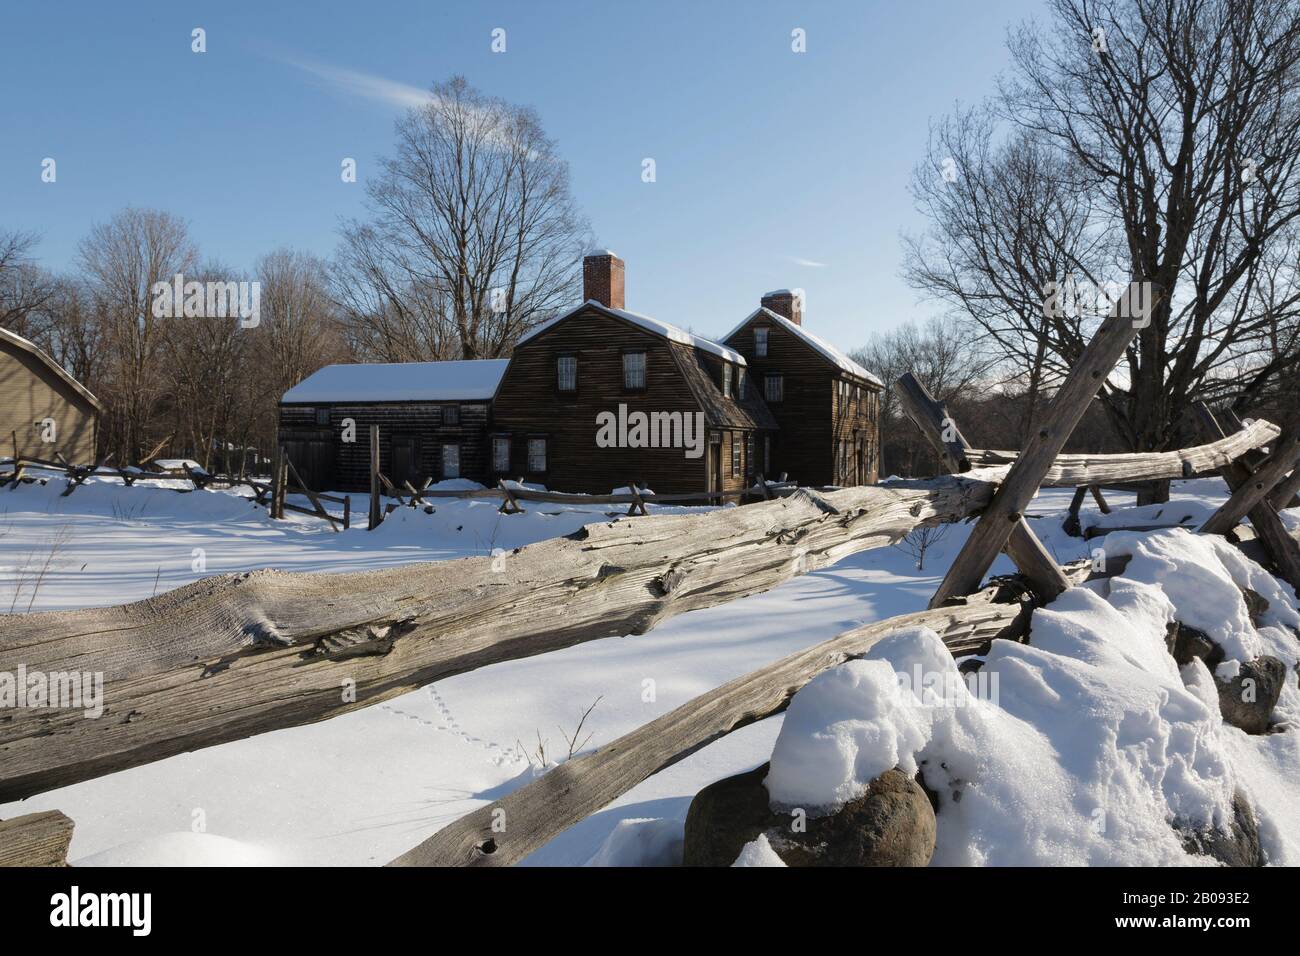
471	237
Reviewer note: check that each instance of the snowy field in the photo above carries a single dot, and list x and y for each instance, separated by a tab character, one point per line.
1093	716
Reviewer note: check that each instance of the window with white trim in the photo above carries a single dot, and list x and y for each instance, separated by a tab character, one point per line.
566	371
634	371
537	455
726	380
501	453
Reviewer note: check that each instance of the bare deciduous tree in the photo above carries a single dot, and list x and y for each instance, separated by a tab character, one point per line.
122	259
473	235
1150	141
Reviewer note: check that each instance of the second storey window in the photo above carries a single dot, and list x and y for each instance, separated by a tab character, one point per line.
537	455
760	343
451	414
566	369
741	384
726	380
501	453
322	416
634	371
774	388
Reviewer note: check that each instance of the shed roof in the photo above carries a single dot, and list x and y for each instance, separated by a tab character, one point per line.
466	381
18	342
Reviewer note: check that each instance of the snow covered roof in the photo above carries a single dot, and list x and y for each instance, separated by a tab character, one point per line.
31	348
661	329
472	380
828	351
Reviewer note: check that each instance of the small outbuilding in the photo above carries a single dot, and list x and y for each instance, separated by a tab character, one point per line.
43	409
433	420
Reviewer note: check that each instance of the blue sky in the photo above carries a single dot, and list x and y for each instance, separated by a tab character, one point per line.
774	169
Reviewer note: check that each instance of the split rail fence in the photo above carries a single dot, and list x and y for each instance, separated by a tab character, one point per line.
237	655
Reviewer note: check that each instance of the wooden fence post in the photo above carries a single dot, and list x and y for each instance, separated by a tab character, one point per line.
277	480
376	513
1276	540
1022	545
1284	495
994	528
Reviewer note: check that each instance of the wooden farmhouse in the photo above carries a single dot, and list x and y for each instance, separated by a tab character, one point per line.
595	399
826	405
43	409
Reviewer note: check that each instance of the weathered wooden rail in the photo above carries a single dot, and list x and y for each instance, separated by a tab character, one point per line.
236	655
507	830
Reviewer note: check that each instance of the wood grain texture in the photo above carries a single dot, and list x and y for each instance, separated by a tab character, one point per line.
37	839
567	794
1072	471
241	654
1254	490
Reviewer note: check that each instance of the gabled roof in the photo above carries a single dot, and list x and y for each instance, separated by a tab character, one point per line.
16	340
721	411
465	381
828	351
662	329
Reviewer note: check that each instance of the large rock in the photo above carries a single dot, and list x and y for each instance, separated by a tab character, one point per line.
1237	846
892	824
1247	700
1186	643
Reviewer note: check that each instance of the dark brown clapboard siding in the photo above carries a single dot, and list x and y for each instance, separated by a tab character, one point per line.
528	403
322	457
812	419
30	392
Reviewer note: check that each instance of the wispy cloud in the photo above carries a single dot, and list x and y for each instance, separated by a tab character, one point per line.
365	85
810	263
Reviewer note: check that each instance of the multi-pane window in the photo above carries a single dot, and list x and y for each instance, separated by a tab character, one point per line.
566	369
726	380
741	384
773	388
537	455
760	343
451	461
451	414
735	455
501	453
749	454
322	416
633	370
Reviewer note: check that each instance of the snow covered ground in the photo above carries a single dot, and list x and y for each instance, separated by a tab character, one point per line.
362	788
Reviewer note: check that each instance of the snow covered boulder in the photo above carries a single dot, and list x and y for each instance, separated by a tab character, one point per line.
1236	845
1249	692
891	824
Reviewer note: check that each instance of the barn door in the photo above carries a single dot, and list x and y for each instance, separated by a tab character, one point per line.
404	460
314	462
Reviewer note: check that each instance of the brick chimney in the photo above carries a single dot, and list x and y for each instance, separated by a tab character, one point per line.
602	278
784	303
